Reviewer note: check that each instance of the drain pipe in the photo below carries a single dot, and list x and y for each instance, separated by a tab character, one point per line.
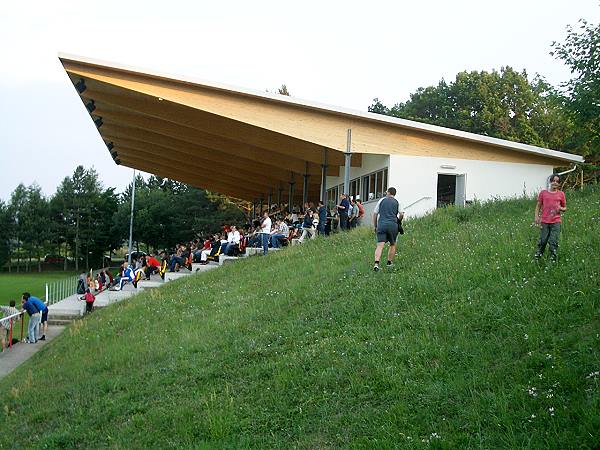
559	174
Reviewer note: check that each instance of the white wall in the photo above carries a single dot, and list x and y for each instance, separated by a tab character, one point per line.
415	177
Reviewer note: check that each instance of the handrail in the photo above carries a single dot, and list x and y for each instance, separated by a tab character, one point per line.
415	202
11	318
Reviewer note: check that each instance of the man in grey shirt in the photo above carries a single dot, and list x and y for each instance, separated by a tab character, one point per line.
385	220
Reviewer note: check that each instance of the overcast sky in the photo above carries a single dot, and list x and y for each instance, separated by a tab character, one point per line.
342	53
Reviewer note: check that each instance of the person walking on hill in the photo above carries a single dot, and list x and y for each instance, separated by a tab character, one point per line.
551	203
385	220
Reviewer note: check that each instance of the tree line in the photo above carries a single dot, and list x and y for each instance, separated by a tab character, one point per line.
83	222
507	104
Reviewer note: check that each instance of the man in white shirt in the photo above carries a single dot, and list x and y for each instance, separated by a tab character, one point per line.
233	239
265	231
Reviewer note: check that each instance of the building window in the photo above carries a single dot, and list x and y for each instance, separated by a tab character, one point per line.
374	185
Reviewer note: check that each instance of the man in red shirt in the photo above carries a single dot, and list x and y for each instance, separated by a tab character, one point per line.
152	266
550	204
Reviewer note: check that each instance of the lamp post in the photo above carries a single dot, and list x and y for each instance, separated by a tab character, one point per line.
131	218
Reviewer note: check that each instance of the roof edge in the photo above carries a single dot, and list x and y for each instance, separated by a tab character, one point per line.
373	117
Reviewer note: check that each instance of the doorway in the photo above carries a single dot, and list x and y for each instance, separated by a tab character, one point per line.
450	190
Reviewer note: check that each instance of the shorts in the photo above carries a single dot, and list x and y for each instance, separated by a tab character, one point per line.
44	316
387	233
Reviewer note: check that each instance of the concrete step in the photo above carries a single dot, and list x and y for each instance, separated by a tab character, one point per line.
60	322
170	276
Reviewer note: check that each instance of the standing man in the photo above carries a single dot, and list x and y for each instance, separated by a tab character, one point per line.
343	211
550	204
322	218
385	220
265	231
361	211
44	310
35	316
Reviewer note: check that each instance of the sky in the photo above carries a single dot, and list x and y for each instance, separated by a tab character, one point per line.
341	53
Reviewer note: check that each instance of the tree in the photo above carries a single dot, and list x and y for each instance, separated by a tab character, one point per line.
501	104
581	53
283	90
6	225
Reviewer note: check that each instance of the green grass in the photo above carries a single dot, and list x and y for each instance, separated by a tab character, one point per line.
467	343
12	285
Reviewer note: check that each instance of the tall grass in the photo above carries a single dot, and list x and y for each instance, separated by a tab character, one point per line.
466	343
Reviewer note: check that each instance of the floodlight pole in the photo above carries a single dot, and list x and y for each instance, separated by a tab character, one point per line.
131	218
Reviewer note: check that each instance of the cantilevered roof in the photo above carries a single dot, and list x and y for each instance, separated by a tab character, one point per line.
248	144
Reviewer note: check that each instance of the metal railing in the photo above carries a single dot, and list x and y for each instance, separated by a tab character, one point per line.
13	318
61	289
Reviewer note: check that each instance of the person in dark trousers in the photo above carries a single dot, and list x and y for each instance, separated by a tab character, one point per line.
385	220
343	209
322	210
551	203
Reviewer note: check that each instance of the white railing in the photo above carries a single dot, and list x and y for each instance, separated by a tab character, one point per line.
61	289
415	202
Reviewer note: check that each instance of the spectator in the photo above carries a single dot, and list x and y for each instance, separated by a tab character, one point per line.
35	315
361	212
309	225
343	209
265	231
5	324
353	214
281	231
44	310
127	275
89	301
233	241
177	260
322	211
152	266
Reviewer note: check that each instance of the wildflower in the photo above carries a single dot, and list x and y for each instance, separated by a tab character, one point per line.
593	375
526	337
551	411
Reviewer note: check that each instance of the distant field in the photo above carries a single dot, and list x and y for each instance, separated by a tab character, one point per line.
12	285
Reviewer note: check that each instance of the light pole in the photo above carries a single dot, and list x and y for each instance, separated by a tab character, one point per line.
131	218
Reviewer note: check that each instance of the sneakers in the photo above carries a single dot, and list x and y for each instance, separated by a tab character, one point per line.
43	338
376	268
390	264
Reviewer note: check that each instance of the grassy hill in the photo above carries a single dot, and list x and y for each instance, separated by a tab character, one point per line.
467	343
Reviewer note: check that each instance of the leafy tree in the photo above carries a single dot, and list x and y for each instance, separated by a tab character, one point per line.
501	104
17	205
581	53
283	90
6	225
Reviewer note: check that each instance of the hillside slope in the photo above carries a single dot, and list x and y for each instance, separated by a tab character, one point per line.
467	343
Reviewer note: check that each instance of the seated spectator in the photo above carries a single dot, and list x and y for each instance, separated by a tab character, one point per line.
233	241
212	251
5	325
309	225
177	260
281	231
152	266
126	276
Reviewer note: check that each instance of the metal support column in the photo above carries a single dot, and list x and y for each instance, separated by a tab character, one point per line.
261	206
291	193
253	209
348	160
279	196
305	186
269	201
131	218
324	168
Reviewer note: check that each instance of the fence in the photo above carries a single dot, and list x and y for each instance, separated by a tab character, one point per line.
61	289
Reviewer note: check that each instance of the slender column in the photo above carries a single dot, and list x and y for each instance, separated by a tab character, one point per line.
253	209
269	200
348	155
305	185
261	206
291	193
131	218
324	168
279	195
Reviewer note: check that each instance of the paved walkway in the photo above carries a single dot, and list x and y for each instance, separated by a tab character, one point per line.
11	359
